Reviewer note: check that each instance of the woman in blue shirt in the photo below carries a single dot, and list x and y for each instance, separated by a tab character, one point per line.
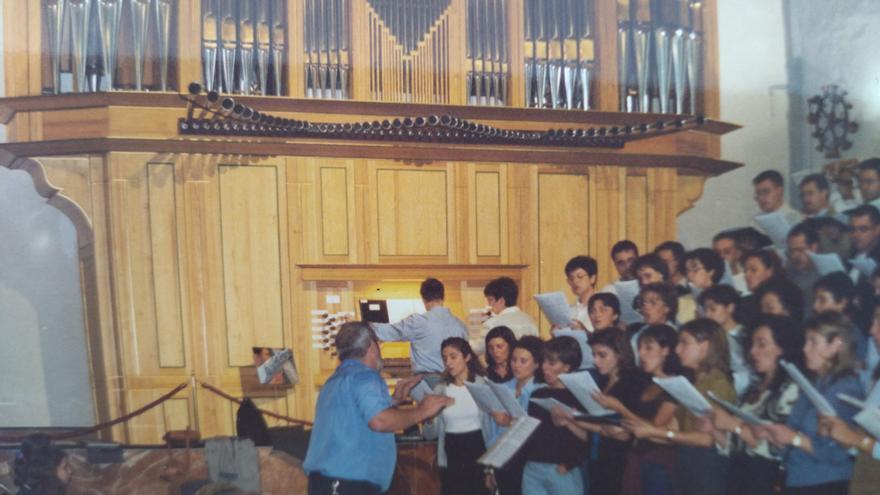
866	472
815	464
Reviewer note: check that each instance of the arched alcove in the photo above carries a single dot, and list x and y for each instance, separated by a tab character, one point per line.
45	353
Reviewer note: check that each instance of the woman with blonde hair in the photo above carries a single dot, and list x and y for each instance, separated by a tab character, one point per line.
815	464
701	461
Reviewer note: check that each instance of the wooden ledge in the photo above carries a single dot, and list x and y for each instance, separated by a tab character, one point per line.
272	104
410	152
407	272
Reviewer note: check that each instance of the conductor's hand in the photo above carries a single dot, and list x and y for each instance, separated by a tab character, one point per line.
432	404
401	390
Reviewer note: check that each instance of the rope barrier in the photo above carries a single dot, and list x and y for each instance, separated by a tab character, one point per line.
108	424
226	396
128	417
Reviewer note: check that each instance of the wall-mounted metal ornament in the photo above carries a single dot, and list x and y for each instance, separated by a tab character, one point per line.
829	115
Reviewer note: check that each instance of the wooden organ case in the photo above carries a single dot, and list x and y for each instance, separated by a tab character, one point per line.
575	128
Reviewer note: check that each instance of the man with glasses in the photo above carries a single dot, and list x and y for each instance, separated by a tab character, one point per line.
770	196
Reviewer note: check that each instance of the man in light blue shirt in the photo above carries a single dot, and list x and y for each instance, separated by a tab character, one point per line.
425	332
352	447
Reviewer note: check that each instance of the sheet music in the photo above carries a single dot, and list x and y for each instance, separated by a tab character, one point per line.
549	403
419	392
740	413
873	398
686	394
555	308
507	399
822	405
869	420
826	263
510	442
864	264
775	225
582	386
485	398
849	399
626	292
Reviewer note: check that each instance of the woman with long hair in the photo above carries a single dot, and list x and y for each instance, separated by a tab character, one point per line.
755	464
701	468
622	384
41	468
553	453
815	464
866	472
462	429
525	363
499	346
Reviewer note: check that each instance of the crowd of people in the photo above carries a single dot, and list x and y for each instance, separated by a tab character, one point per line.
726	317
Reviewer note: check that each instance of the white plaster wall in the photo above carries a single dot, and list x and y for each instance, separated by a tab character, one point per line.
45	378
752	83
43	351
835	42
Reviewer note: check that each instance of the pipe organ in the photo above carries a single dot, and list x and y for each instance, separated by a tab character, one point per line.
515	53
235	167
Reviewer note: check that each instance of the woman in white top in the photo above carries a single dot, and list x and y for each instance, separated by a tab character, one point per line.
462	429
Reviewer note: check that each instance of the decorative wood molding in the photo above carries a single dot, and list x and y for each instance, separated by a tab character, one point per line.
13	105
53	195
402	272
408	152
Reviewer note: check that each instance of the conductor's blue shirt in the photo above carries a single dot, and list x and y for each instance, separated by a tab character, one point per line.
342	445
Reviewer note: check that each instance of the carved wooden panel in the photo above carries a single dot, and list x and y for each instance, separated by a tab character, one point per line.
334	211
487	210
637	211
563	227
251	259
163	242
412	212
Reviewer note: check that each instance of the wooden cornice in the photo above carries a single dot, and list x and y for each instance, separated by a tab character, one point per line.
399	272
147	122
10	106
415	152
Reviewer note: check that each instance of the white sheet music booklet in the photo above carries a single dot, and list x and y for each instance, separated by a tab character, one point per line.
582	386
495	397
740	413
510	442
685	393
555	307
819	401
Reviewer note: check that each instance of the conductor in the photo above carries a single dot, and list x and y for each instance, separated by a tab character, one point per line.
352	449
